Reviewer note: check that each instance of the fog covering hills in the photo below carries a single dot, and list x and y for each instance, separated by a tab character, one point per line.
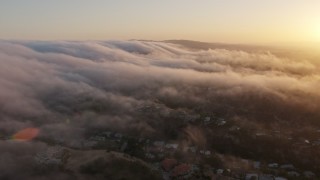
65	88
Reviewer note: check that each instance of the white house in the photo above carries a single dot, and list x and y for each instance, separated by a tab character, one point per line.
266	177
280	178
159	143
251	176
207	153
172	146
273	165
220	171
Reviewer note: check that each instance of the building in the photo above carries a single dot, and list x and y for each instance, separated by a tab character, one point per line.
172	146
280	178
266	177
308	174
252	176
207	153
192	149
182	170
293	174
256	164
273	165
287	166
124	146
168	164
221	122
150	156
159	143
207	121
118	135
220	171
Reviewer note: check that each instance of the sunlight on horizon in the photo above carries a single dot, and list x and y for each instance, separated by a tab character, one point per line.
247	21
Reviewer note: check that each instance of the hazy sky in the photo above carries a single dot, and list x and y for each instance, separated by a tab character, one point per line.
244	21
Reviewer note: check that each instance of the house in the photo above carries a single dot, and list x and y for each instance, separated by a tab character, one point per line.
172	146
234	128
256	164
118	135
150	156
261	134
207	121
238	173
293	174
252	176
195	168
159	143
182	170
207	153
287	166
308	174
220	177
82	143
191	118
220	171
266	177
273	165
168	164
192	149
107	133
124	146
154	149
245	161
98	138
221	122
280	178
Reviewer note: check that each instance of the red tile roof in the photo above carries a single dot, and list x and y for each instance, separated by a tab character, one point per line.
181	169
168	164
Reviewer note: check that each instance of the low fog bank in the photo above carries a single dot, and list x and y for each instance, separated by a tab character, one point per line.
104	83
65	88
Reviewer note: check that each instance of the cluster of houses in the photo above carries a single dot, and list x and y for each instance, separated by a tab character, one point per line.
53	156
214	120
172	169
152	148
253	176
160	148
257	176
187	117
289	169
157	150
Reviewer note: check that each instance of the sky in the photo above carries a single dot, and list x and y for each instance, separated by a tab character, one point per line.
232	21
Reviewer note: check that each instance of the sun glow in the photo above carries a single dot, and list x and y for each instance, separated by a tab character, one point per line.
316	33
